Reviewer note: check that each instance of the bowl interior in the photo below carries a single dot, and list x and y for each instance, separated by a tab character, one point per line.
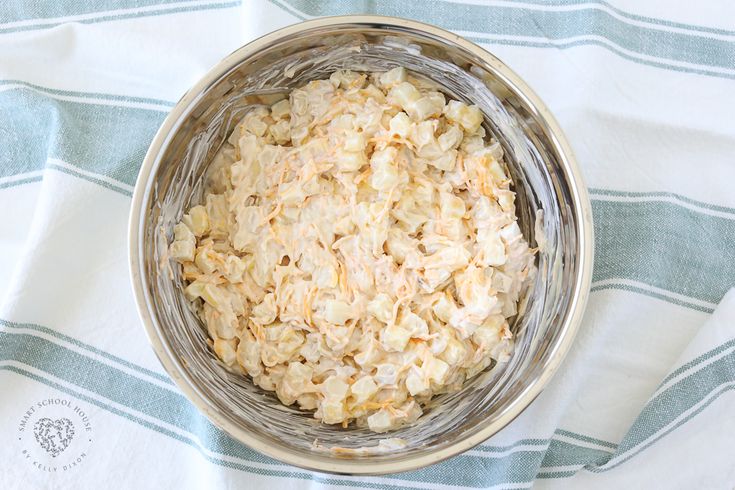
257	74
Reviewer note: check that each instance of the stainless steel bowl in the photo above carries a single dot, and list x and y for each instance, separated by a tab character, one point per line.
546	178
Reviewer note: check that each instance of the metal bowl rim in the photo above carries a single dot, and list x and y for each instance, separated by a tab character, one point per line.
569	325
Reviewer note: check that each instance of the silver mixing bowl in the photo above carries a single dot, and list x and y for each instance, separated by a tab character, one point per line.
546	178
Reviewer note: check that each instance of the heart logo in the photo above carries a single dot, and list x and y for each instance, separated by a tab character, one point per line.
53	435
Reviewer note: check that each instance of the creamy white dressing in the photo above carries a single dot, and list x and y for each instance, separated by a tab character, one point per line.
357	251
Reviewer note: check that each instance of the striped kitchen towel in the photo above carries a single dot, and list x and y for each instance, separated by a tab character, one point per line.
645	91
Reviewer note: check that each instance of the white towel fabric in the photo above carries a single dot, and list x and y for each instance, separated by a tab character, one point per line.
645	95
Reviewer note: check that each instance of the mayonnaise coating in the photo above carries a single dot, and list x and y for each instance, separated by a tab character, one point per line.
357	251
